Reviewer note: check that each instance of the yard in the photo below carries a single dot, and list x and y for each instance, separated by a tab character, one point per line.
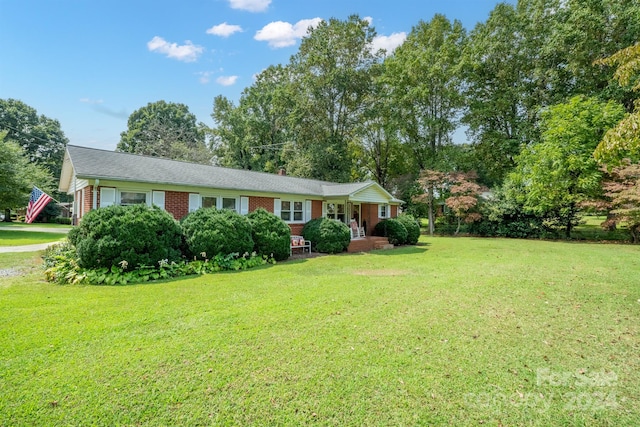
455	331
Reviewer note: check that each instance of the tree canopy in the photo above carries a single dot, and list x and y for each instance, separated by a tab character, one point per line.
165	129
41	137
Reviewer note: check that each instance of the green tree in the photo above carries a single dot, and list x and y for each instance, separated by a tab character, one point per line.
252	134
331	81
425	82
559	173
18	175
41	138
165	129
494	70
623	141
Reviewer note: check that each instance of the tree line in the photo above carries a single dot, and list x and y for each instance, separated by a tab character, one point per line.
539	86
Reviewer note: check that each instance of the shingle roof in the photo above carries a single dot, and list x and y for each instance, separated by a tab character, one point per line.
91	163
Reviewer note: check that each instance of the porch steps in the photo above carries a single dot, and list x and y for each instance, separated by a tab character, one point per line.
369	243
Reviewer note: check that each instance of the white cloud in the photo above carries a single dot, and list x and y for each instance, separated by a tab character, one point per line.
205	76
226	80
250	5
283	34
368	19
389	43
224	30
187	52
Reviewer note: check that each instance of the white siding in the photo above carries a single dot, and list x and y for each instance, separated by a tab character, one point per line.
371	195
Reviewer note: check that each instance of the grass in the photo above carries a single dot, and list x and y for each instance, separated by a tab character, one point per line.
34	225
456	331
19	238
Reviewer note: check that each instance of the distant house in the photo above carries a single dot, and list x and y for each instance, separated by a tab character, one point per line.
98	178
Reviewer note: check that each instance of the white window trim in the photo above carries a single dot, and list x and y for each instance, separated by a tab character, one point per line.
387	210
119	192
292	202
218	197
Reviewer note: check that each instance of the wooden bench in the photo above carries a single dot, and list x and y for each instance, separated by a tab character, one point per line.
298	242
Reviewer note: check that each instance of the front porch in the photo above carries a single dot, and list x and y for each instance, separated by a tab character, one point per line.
369	243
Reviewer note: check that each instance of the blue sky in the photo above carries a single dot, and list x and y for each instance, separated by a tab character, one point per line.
91	63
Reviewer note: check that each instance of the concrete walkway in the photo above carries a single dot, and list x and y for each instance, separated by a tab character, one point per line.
31	248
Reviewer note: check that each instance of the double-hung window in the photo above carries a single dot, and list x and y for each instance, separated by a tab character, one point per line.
383	211
292	210
128	198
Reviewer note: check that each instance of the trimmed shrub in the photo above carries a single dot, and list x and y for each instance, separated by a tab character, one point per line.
392	229
412	226
271	235
216	232
327	235
132	236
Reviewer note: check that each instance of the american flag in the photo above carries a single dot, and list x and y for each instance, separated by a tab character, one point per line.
38	200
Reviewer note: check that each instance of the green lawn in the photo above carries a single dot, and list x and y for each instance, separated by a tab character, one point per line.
19	238
33	225
456	331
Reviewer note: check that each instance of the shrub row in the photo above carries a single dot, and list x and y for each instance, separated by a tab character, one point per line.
131	237
327	235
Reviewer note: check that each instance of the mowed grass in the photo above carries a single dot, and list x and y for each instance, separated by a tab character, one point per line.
455	331
19	238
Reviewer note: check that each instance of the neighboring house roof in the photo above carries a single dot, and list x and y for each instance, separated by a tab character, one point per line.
91	163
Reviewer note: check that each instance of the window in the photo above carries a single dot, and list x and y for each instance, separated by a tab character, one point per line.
285	211
209	202
292	211
229	203
336	211
128	198
383	211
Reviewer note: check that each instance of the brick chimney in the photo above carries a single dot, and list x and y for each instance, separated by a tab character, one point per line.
282	172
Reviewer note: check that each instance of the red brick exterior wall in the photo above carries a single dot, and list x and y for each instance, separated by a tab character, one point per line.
261	202
88	198
394	211
176	203
316	209
296	229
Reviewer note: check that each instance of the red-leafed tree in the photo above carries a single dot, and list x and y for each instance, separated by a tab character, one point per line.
464	198
623	191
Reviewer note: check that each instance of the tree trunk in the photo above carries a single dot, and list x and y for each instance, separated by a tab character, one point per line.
7	215
457	229
431	222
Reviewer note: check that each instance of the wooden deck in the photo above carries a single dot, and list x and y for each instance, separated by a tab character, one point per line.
369	243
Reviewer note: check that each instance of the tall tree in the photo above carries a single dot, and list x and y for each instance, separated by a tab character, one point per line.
165	129
18	174
424	76
41	138
331	82
623	141
252	134
559	173
494	71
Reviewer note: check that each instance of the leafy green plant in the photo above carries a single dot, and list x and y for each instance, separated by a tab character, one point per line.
412	227
327	235
209	232
139	235
271	235
392	229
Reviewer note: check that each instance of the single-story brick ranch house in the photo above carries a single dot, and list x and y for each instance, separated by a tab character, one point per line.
98	178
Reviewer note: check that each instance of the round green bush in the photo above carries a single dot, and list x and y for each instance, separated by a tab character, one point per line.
393	230
138	235
214	232
412	226
271	235
327	235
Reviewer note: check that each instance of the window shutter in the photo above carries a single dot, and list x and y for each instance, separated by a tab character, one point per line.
277	207
157	198
307	211
194	202
244	205
324	209
107	196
